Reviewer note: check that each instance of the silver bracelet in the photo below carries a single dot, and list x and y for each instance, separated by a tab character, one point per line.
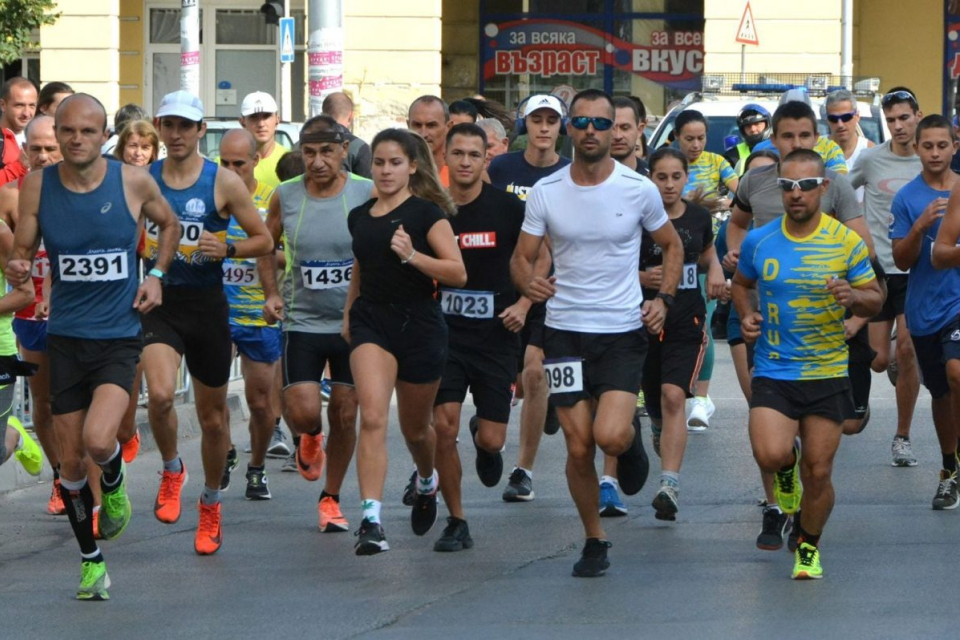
410	257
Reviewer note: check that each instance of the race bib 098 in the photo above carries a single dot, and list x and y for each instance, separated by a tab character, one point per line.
564	375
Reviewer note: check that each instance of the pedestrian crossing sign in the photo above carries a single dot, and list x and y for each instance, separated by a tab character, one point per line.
286	40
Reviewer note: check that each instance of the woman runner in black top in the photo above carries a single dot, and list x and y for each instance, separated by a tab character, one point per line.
674	359
402	243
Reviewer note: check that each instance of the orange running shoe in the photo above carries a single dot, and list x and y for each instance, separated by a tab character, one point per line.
209	535
131	448
310	456
96	524
167	506
55	504
331	518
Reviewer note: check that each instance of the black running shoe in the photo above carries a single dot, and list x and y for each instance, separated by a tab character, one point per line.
410	491
793	540
593	561
633	466
424	512
370	539
489	465
456	536
257	488
774	526
519	487
232	461
552	424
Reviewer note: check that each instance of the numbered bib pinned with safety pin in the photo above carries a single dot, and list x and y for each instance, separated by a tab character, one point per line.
564	375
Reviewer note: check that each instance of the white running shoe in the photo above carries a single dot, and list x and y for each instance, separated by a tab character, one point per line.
698	415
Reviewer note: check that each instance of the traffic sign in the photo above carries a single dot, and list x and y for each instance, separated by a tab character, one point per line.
747	32
287	50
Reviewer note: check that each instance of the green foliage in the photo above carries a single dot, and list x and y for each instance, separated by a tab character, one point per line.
18	19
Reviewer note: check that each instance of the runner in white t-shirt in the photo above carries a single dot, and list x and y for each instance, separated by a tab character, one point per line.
594	212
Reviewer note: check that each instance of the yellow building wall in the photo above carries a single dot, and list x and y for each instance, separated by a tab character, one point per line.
460	49
902	49
131	51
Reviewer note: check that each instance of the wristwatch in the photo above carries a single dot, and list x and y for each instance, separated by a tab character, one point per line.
231	250
667	299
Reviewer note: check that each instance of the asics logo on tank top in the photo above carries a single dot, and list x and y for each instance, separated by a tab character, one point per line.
106	207
478	240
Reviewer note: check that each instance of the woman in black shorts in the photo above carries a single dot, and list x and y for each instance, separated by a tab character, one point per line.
402	245
674	359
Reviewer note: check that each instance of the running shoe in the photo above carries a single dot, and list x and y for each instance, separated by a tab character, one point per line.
331	518
167	505
611	506
593	562
775	524
423	514
310	456
807	563
489	465
96	523
94	581
257	485
455	537
552	422
370	539
519	487
786	484
698	415
131	448
232	461
666	503
278	444
29	454
633	466
325	389
410	491
642	405
55	506
794	538
209	533
289	464
946	497
902	452
115	509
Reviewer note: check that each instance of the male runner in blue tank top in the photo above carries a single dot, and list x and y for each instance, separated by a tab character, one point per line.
194	322
86	210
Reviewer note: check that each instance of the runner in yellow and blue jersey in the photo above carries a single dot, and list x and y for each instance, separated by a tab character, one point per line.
257	342
809	270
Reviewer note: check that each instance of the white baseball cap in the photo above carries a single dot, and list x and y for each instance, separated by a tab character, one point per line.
543	101
183	104
258	102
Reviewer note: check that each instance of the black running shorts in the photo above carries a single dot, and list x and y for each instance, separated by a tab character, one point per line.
305	355
488	374
78	366
829	398
608	361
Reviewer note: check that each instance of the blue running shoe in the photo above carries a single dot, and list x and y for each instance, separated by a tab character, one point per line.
611	506
325	389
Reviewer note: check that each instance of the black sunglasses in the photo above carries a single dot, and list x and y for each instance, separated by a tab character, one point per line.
805	184
582	122
897	95
841	117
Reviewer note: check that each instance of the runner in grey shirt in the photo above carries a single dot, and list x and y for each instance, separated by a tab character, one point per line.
882	171
310	212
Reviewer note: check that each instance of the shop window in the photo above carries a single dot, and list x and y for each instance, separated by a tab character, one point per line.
165	26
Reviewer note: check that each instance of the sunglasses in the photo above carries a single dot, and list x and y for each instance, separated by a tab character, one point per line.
805	184
582	122
841	117
897	95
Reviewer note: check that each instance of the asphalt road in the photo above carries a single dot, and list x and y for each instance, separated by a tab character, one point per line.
886	555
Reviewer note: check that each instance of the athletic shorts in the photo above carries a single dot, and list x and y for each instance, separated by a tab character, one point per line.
488	374
532	332
933	352
260	344
78	366
861	377
674	357
306	355
608	362
829	398
896	300
735	335
32	334
195	322
413	333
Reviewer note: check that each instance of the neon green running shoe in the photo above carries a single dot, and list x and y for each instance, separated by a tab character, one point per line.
807	563
786	485
94	581
115	509
29	453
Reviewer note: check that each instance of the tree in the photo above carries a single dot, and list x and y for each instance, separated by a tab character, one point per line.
18	19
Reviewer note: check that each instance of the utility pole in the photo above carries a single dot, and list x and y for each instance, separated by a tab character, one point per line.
324	51
190	46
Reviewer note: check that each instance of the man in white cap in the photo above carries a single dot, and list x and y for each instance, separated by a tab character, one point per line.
259	115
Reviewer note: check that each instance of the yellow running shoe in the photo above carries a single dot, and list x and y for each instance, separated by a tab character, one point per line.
807	563
786	485
29	453
94	581
116	510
